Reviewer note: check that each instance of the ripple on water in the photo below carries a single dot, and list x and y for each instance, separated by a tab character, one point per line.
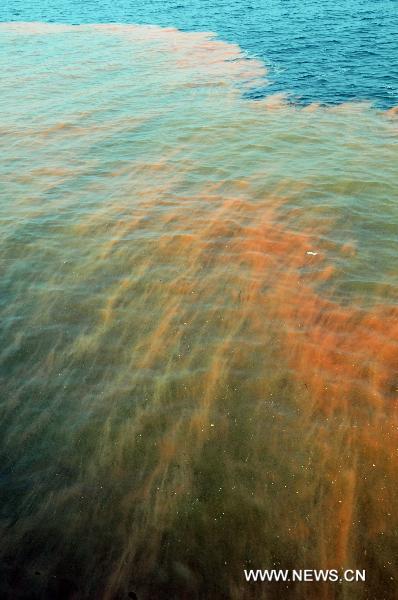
199	340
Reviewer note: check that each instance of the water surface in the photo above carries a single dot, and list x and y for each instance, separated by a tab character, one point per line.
318	51
199	323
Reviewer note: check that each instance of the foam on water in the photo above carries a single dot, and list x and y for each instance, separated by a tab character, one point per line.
199	309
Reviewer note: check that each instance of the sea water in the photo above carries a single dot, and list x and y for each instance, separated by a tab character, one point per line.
199	322
319	50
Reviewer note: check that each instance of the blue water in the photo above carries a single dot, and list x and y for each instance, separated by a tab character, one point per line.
318	51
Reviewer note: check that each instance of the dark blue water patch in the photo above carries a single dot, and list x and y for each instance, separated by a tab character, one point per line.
318	51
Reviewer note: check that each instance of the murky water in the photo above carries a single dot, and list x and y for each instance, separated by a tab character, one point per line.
199	323
318	51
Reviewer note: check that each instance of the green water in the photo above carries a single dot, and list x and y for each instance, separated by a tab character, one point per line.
199	324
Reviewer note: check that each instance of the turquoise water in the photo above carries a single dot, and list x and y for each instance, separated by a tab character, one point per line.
199	323
319	51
